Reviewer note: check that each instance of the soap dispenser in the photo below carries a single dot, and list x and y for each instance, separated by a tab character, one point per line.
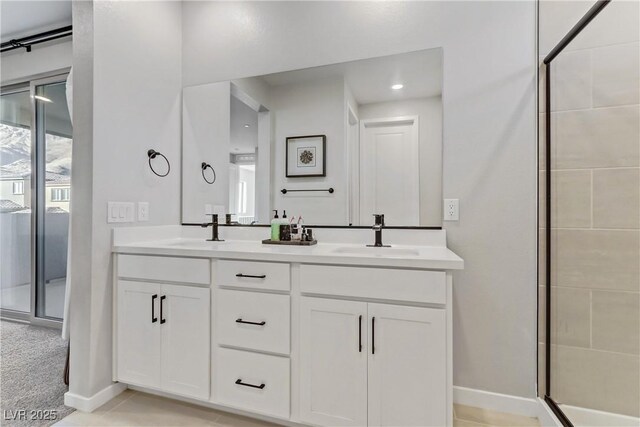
275	227
285	228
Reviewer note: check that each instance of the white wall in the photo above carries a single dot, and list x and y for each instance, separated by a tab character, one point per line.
429	110
489	139
127	98
311	108
17	64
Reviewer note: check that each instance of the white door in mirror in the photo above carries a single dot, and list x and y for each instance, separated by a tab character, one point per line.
451	209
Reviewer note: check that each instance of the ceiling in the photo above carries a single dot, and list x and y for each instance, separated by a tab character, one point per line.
22	18
244	140
370	80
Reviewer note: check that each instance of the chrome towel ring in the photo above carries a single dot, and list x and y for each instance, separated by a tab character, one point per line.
152	154
204	167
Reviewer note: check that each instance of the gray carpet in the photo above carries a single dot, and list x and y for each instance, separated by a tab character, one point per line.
32	360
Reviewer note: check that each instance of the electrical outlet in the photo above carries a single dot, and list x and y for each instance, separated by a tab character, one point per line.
451	210
143	211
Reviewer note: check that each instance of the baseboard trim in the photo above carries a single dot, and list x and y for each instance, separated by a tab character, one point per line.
90	404
498	402
592	417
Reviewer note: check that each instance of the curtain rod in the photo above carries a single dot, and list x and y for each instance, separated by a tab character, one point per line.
28	41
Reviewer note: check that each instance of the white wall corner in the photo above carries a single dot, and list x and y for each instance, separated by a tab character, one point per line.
528	407
90	404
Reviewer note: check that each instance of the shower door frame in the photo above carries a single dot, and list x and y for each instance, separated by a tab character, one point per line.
566	40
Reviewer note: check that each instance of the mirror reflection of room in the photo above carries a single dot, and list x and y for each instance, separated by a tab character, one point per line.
242	162
333	144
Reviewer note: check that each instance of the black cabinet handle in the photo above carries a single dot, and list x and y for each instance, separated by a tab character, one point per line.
162	319
360	334
373	335
251	276
154	319
261	386
251	323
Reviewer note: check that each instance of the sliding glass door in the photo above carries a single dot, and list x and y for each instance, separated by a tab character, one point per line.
15	201
36	160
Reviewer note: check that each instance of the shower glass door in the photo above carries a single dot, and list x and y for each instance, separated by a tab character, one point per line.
591	284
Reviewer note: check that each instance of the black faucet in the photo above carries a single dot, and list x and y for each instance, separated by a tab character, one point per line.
377	226
214	228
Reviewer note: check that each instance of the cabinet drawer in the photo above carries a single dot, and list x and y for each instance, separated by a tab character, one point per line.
253	381
254	275
172	269
377	283
253	320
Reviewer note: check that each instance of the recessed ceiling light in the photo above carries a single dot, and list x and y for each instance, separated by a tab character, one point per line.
42	98
247	126
397	86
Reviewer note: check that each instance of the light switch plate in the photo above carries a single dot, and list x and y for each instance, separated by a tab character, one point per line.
143	211
120	212
451	210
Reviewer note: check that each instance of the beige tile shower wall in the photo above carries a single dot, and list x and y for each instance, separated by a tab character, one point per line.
595	122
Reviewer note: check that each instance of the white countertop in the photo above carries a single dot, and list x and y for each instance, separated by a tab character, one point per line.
403	256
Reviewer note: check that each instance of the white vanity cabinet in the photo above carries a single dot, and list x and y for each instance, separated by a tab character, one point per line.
162	333
371	363
346	342
253	331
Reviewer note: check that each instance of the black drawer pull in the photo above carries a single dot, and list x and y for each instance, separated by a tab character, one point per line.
251	276
373	335
251	323
360	334
162	319
261	386
153	308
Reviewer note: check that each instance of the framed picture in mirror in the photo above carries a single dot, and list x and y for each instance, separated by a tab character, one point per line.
305	156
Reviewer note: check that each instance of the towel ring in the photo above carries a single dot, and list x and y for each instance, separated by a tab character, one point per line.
204	167
152	154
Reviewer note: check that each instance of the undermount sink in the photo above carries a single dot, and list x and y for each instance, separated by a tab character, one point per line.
195	243
376	251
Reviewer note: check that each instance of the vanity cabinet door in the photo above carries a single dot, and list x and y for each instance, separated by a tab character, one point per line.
407	366
333	362
185	329
138	343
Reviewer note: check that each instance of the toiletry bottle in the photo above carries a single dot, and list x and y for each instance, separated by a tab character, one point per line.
298	227
285	228
295	230
275	227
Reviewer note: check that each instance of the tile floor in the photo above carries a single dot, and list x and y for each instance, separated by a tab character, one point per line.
133	408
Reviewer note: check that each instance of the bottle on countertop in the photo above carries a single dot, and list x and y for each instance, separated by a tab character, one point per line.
275	227
296	232
285	227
